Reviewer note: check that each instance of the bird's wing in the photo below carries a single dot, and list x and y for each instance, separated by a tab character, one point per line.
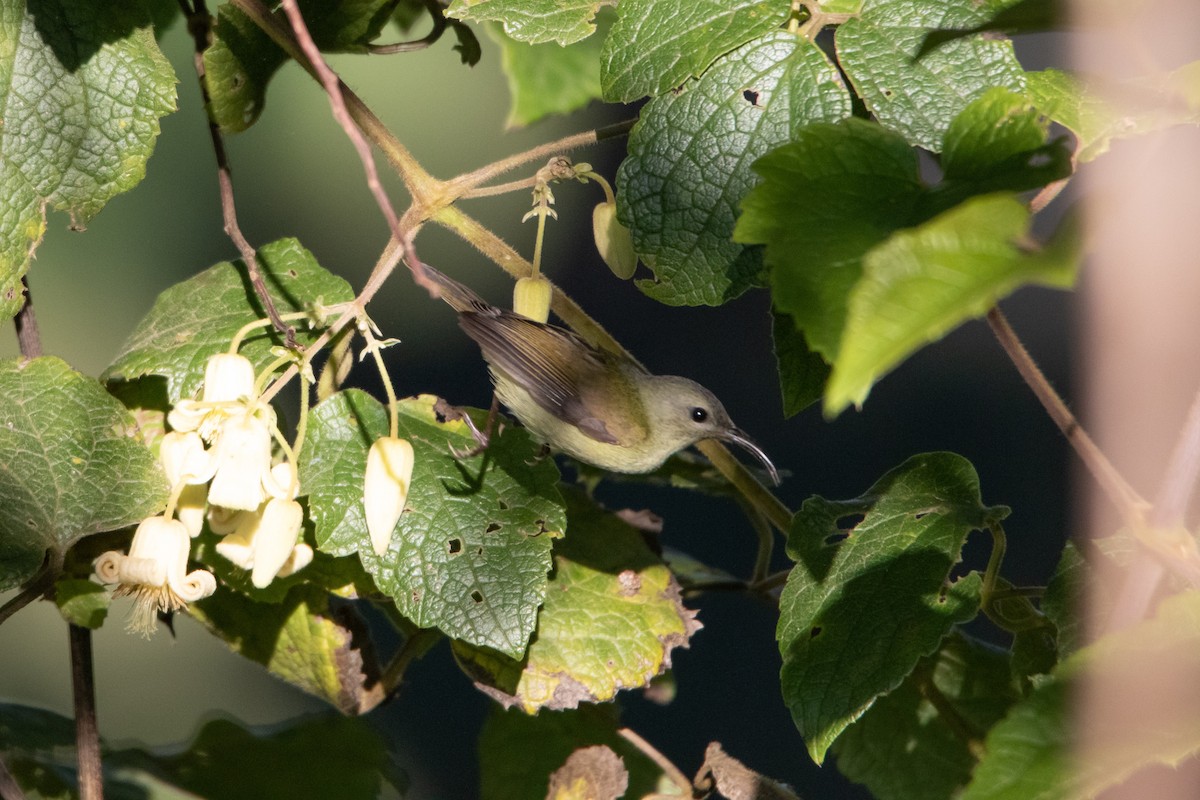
562	373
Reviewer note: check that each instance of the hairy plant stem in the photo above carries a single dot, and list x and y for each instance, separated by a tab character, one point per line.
1128	502
674	773
87	734
199	23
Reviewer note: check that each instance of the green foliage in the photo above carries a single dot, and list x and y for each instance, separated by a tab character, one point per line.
72	464
880	564
877	166
692	149
656	46
83	87
471	552
605	579
197	318
548	79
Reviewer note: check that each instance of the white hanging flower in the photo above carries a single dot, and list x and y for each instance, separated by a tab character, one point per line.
242	460
185	461
265	542
155	572
385	488
224	521
228	377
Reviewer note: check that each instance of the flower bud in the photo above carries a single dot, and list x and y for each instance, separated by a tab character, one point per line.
385	488
531	298
613	241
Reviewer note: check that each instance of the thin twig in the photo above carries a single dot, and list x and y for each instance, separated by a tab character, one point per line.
199	23
333	88
36	587
500	188
418	644
670	770
29	339
87	733
1130	505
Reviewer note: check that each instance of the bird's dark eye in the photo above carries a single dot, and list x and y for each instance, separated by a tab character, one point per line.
699	414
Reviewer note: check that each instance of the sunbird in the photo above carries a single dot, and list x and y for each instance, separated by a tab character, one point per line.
597	406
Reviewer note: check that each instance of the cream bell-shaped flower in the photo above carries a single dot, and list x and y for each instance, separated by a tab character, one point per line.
154	572
242	459
185	461
228	377
385	488
531	297
265	542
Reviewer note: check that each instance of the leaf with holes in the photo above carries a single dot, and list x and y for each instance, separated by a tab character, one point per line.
533	21
197	318
870	593
82	87
656	45
919	97
689	163
73	464
904	749
471	551
612	616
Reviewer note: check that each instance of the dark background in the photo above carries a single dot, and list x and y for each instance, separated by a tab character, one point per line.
296	175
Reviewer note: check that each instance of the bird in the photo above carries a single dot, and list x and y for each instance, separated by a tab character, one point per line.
599	407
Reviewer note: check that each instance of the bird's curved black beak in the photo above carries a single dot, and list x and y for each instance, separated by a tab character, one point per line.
738	437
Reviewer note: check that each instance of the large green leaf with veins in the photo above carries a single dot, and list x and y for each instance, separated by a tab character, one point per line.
533	21
918	97
470	553
689	163
82	88
72	464
870	594
611	618
656	45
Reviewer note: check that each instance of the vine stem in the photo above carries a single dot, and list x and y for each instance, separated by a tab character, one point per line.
87	734
669	769
1128	502
199	23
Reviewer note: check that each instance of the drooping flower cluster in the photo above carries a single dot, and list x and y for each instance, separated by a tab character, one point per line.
218	462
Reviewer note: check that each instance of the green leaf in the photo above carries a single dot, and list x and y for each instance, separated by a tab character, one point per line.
611	618
903	748
802	371
242	58
82	602
1031	754
533	21
197	318
922	283
692	149
825	200
546	79
517	752
998	142
867	599
472	549
918	98
302	641
72	464
82	88
656	45
1023	16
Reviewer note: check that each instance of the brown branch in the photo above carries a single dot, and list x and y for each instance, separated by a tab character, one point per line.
199	24
1128	502
87	734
